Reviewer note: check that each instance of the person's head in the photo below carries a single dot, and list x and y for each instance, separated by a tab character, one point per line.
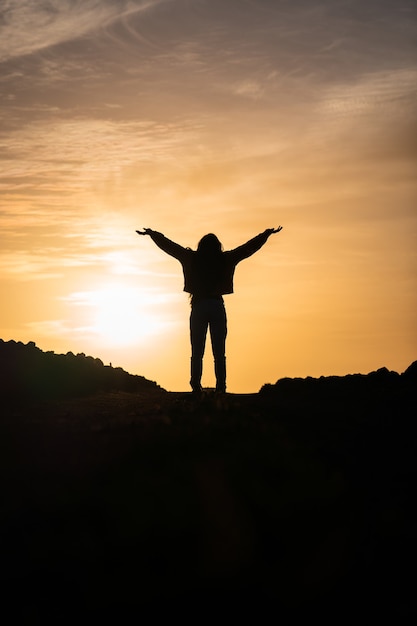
209	244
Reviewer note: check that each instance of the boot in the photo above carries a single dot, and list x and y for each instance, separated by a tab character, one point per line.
196	372
220	371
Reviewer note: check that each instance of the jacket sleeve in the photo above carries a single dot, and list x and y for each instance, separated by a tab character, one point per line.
168	246
249	248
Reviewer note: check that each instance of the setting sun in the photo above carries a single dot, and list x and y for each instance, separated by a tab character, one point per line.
120	315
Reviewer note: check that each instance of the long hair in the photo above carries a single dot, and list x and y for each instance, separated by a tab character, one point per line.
207	266
209	246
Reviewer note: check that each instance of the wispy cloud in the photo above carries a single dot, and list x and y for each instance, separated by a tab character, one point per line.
28	26
107	246
68	156
385	91
25	266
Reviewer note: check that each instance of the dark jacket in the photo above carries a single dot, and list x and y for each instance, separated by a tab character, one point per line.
215	278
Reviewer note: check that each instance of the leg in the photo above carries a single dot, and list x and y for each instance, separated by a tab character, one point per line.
198	332
218	332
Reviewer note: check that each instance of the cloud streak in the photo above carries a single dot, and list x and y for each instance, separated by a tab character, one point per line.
28	26
389	92
71	155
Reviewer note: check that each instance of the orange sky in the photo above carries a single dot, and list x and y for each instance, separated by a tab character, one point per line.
209	116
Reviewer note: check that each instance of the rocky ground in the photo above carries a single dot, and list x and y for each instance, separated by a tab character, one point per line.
293	502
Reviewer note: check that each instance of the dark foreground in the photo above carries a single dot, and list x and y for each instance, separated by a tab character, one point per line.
294	502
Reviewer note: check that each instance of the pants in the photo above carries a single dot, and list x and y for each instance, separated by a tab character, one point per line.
208	313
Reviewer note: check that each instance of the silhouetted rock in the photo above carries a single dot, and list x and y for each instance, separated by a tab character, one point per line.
28	372
349	386
410	373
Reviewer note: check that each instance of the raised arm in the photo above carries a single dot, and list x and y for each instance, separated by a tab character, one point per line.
168	246
253	245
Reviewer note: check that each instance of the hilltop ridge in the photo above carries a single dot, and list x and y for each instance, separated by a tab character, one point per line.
28	370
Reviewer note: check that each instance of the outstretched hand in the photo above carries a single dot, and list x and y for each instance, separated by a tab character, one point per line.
271	231
145	231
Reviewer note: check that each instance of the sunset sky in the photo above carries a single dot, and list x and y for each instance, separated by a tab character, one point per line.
224	116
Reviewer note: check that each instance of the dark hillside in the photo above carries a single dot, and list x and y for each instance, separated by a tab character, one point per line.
296	502
27	371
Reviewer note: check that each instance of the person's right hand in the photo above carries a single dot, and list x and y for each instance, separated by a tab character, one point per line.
145	231
271	231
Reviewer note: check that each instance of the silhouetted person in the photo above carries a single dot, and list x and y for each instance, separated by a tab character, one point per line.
208	275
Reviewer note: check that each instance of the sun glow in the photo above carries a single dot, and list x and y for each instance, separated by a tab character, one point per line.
120	314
